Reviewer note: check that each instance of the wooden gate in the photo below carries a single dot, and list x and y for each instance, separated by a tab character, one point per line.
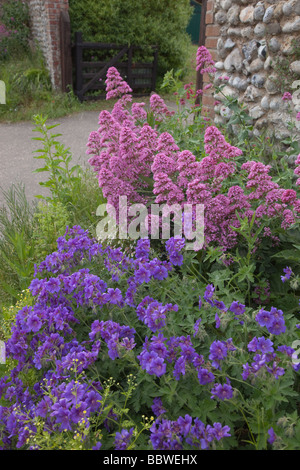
90	70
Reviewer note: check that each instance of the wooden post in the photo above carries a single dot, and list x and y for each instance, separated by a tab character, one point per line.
129	67
78	62
154	70
66	51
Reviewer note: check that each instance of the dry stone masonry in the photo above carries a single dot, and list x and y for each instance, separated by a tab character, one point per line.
247	38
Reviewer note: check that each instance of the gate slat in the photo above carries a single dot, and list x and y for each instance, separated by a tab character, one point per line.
104	69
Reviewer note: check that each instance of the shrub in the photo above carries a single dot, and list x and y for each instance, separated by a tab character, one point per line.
155	22
14	30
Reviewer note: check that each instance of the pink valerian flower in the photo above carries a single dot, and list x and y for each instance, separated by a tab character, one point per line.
159	107
127	154
138	111
204	61
115	85
287	96
298	116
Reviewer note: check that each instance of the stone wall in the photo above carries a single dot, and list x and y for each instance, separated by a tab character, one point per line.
246	39
45	21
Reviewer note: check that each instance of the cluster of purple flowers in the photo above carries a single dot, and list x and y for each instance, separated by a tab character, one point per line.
171	435
272	320
117	337
153	313
44	338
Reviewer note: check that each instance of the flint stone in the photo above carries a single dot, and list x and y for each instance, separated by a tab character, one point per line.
227	91
234	31
260	30
292	26
247	15
268	63
265	104
219	65
225	112
288	8
274	45
250	50
246	32
268	14
256	112
275	104
258	80
272	85
229	44
256	65
220	17
262	52
259	11
233	15
233	61
251	93
297	7
226	4
273	28
295	67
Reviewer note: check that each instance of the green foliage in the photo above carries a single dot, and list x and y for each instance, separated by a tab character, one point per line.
70	186
146	22
16	250
50	221
15	18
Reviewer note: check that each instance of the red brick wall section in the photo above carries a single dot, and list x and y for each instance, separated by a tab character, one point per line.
212	34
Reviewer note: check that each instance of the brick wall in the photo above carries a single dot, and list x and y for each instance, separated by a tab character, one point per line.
45	20
212	34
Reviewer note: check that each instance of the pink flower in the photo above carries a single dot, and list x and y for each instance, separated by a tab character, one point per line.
287	96
115	85
298	116
204	61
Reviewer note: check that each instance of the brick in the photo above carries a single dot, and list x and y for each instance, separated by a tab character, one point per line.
209	18
210	5
212	30
211	43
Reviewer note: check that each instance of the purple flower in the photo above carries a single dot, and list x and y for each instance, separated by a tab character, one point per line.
34	323
196	326
272	435
157	407
217	320
288	272
208	294
204	376
237	308
97	446
222	392
122	439
114	296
